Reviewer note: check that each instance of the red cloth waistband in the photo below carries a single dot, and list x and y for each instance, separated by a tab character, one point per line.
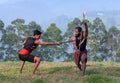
23	51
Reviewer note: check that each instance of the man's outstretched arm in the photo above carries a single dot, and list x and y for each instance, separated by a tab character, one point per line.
46	43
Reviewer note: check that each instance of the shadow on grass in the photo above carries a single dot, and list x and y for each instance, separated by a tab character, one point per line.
3	77
57	69
103	75
98	78
37	81
92	71
6	78
113	71
109	71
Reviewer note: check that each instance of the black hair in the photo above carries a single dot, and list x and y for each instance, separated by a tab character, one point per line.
37	32
79	29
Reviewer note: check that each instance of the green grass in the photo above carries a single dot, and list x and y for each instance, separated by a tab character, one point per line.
60	72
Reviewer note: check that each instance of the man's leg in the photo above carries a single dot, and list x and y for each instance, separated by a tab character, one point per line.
83	61
37	62
21	66
75	57
79	59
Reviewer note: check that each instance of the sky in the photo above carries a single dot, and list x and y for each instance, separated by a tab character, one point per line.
43	10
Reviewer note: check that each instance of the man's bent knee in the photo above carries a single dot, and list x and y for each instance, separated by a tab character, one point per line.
84	58
36	59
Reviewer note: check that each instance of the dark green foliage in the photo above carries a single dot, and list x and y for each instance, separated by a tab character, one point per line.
103	45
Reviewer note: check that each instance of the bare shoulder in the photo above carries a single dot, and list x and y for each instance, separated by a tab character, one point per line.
36	41
73	38
24	41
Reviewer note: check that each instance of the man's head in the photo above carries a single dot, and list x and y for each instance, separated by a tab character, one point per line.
78	31
37	34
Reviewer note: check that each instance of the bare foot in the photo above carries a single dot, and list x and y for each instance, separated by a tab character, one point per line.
20	72
79	66
33	73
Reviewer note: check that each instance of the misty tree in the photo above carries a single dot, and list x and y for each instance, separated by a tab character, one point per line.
99	38
11	39
52	34
9	44
102	45
1	25
2	31
118	54
113	41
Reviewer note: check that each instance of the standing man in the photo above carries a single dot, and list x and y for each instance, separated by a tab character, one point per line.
30	44
80	42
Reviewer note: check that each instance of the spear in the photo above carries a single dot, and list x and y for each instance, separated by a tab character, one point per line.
84	14
67	40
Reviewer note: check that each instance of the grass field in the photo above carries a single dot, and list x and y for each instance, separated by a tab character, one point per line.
60	72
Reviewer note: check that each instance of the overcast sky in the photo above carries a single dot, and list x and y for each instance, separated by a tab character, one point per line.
43	10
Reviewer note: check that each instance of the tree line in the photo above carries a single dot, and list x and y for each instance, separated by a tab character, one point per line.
103	44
